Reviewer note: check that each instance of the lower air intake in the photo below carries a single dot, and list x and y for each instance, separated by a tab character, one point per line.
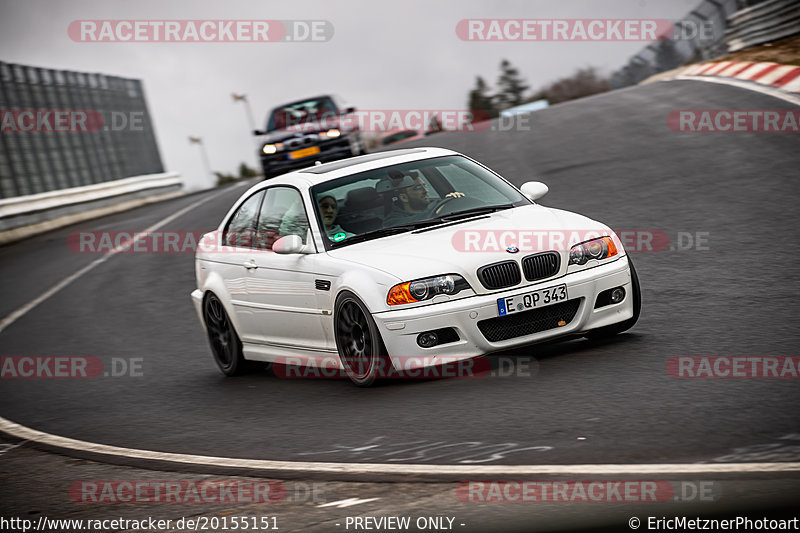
529	322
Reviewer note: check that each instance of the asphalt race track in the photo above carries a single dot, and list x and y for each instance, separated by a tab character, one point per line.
611	157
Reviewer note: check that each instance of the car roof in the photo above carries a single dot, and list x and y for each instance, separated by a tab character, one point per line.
313	175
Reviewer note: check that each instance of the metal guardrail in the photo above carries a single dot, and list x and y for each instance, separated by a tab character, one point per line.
697	36
768	21
728	25
36	160
24	216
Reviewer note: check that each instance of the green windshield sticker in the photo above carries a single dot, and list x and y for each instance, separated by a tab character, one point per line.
339	237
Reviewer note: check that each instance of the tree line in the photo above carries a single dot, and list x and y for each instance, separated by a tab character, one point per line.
511	89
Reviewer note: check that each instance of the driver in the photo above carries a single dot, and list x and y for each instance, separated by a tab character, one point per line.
413	204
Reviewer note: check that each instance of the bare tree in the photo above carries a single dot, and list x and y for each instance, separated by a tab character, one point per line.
585	82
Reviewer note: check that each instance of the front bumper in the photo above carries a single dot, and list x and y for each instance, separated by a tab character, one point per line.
329	151
400	328
197	300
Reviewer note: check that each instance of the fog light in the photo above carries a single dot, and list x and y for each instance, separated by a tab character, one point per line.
617	295
428	339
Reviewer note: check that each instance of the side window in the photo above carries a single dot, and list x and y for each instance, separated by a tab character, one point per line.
240	228
282	213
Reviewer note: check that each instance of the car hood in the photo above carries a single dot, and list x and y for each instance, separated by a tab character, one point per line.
464	247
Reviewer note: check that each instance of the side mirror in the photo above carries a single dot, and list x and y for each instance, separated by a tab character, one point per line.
349	110
289	244
258	132
533	190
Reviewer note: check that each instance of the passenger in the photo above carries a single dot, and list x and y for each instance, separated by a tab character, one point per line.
329	209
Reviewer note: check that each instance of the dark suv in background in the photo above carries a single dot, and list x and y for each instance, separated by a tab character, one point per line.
301	133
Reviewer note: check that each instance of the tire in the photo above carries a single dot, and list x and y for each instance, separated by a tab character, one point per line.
358	340
614	329
225	343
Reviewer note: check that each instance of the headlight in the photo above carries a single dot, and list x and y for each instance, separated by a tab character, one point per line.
330	134
601	248
425	289
272	148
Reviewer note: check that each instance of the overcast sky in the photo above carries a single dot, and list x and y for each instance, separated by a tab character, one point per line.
383	55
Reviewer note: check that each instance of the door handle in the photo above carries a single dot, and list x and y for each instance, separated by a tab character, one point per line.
249	265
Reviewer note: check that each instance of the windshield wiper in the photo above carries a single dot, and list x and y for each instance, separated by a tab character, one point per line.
475	211
382	232
394	230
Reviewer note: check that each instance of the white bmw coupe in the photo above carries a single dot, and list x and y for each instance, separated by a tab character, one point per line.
403	259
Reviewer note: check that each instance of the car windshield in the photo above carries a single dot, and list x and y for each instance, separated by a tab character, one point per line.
409	196
299	113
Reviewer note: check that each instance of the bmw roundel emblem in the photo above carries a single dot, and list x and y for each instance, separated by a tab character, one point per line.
512	249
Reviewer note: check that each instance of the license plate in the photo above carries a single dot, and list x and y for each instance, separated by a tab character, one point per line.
531	300
305	152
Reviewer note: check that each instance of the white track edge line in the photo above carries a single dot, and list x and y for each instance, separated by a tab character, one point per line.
47	439
750	85
28	434
26	308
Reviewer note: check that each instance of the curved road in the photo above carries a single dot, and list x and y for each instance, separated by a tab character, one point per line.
611	157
